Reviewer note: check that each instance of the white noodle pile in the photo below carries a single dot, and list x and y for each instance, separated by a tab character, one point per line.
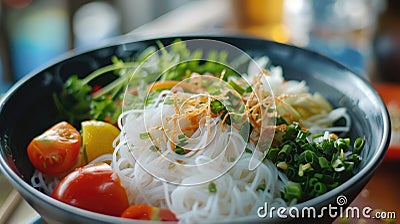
236	191
236	195
154	174
44	182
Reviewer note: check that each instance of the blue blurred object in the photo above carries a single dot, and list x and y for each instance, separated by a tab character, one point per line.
340	29
343	53
38	33
343	30
4	85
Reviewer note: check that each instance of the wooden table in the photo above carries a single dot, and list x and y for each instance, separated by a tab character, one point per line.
382	193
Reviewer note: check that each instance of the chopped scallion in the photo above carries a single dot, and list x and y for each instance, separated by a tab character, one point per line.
261	187
144	135
358	145
317	165
248	150
319	188
180	151
154	148
182	137
282	165
292	191
212	188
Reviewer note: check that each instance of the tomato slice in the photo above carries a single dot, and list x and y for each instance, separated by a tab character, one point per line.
147	212
56	150
167	215
141	212
94	187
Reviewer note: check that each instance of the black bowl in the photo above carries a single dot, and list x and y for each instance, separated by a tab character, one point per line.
28	109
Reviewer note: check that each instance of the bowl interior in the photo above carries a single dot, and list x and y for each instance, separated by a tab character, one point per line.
28	108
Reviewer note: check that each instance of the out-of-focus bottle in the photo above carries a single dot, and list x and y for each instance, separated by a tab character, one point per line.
262	18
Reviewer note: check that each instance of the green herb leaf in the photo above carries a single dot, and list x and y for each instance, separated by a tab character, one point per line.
261	187
144	135
358	145
212	188
154	148
180	151
292	191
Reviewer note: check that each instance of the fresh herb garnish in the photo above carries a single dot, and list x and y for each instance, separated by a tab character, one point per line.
261	187
144	135
154	148
180	150
313	166
212	187
77	101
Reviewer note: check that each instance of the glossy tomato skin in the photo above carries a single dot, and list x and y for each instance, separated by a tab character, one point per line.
140	212
94	187
167	215
55	151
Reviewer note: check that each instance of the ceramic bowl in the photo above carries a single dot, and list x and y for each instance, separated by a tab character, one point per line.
27	109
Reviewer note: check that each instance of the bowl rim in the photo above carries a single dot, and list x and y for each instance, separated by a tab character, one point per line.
366	171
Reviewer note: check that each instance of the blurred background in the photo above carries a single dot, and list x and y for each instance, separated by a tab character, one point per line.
362	34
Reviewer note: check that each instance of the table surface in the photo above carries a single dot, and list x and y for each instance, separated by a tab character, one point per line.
382	193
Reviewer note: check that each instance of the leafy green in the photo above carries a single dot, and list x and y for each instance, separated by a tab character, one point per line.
212	187
180	150
78	101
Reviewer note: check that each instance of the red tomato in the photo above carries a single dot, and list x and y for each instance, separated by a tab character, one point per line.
147	212
142	212
94	187
56	150
167	215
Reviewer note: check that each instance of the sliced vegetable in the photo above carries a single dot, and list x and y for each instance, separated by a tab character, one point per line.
237	87
212	187
314	166
358	145
97	138
55	151
180	150
292	191
147	212
169	84
94	187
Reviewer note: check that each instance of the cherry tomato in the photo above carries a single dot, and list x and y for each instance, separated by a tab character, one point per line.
56	150
147	212
167	215
94	187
